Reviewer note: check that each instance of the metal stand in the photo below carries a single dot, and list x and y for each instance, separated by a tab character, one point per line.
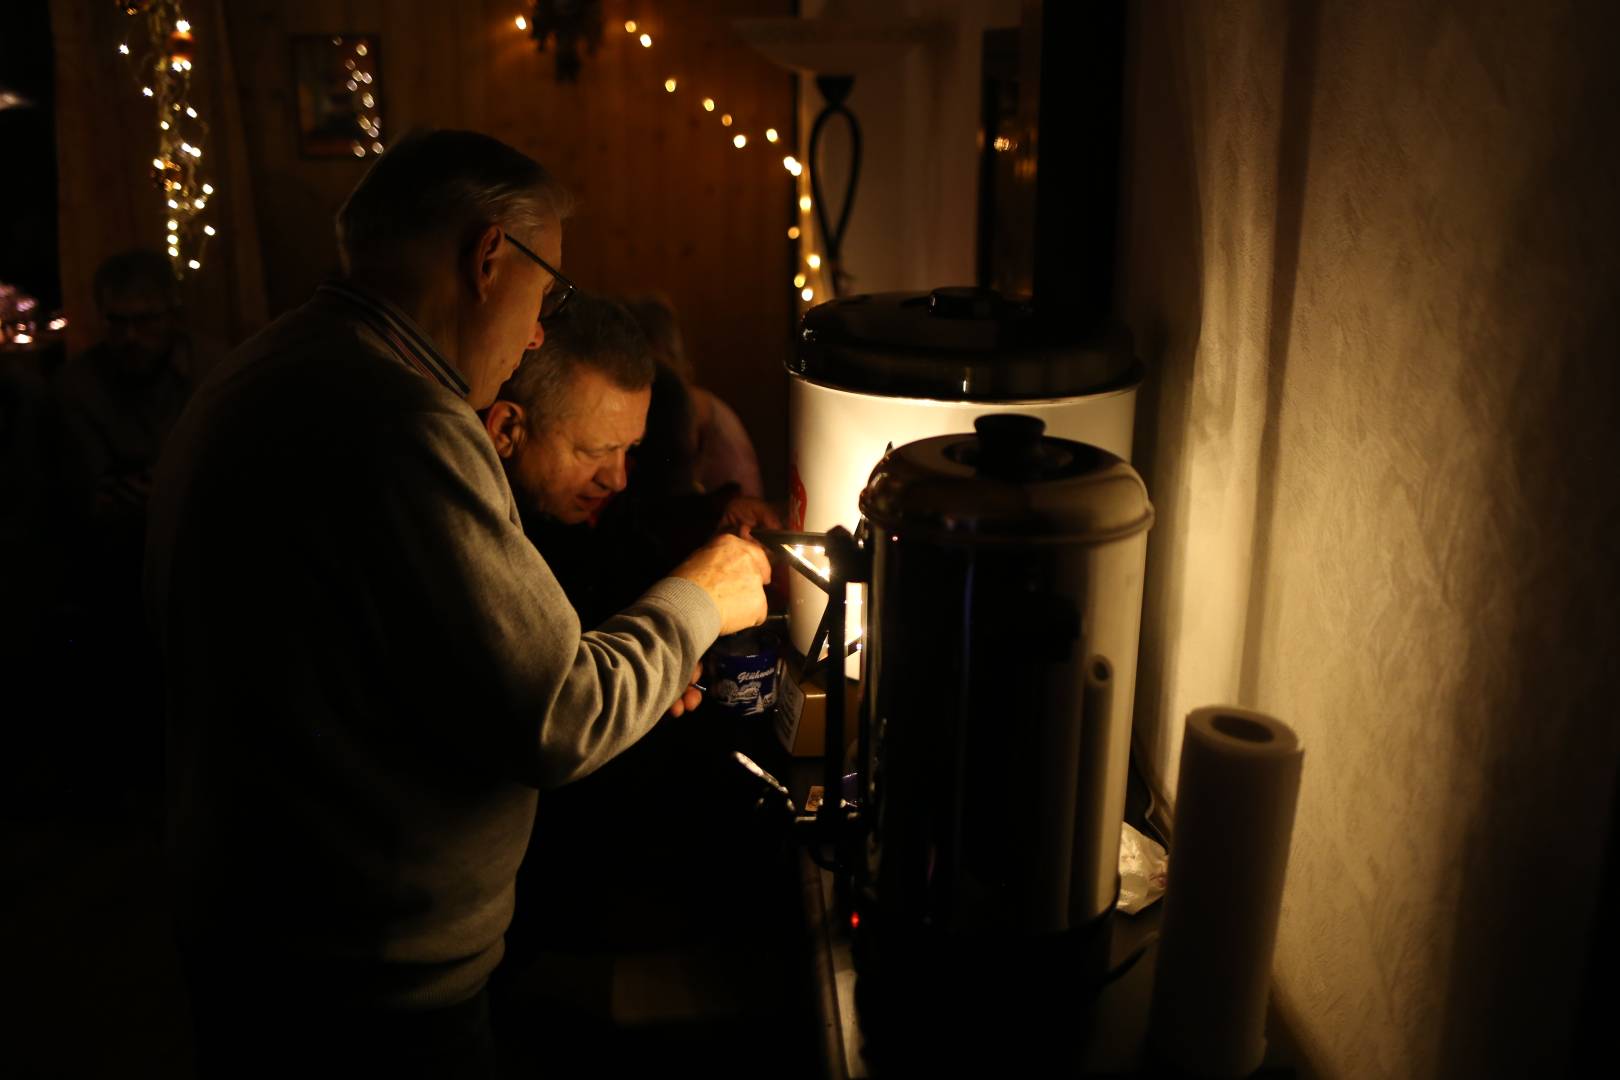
836	821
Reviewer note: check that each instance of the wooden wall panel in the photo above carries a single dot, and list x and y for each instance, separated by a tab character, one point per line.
666	202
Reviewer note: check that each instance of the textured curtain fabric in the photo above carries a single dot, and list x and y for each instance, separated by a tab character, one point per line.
1368	251
106	135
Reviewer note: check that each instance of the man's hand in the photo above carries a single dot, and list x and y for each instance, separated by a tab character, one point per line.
744	512
690	698
733	571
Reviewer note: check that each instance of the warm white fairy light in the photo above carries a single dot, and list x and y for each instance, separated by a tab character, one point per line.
208	189
522	23
739	140
359	66
163	75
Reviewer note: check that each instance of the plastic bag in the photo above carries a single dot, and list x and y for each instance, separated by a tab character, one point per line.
1142	867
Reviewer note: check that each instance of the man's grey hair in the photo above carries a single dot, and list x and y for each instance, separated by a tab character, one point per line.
435	183
591	332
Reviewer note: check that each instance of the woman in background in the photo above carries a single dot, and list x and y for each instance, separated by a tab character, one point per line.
703	438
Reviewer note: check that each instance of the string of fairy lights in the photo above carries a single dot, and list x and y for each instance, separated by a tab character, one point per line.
807	279
163	73
358	77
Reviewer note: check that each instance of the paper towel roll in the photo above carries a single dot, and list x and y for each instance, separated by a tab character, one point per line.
1234	815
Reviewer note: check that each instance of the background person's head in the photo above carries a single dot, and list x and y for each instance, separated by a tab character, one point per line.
656	314
565	422
426	227
667	457
139	302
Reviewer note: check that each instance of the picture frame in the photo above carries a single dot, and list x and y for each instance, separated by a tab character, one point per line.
338	95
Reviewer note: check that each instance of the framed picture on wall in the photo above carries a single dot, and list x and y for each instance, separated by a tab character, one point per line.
337	84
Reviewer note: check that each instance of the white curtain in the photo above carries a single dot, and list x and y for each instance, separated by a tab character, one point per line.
1368	250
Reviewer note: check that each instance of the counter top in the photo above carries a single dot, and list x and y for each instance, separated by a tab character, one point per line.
1119	1026
1111	1044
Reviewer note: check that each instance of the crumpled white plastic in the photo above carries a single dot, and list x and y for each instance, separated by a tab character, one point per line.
1142	867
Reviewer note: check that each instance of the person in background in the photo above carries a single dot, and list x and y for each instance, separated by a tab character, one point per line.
718	444
121	397
370	669
117	403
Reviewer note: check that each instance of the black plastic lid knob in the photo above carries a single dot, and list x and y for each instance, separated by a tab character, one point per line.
1010	445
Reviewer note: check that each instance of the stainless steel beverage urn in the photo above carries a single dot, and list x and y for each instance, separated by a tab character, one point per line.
1004	610
873	372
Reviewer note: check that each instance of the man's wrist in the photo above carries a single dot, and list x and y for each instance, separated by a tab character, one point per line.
691	604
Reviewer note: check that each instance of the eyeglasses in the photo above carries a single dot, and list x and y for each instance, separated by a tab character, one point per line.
561	288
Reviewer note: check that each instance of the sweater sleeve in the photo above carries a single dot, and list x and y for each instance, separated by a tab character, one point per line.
486	636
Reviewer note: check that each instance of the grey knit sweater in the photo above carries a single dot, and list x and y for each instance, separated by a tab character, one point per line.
370	670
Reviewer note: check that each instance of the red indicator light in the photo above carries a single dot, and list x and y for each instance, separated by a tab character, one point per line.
854	919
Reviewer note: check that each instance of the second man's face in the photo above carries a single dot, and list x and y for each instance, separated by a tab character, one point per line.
577	461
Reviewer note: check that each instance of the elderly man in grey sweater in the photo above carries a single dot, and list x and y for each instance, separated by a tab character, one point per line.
370	670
